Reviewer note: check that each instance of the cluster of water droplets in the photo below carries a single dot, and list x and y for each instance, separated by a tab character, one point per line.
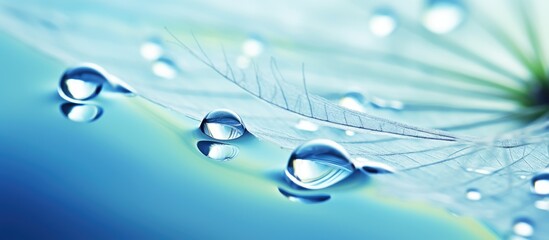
163	66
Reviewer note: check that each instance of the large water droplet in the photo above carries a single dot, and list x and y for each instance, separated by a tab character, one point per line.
443	16
222	124
523	227
473	194
317	198
152	49
165	68
253	46
353	101
81	112
217	151
319	164
81	83
540	183
383	22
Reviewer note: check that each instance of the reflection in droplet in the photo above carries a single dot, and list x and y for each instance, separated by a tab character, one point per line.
81	83
152	49
222	124
542	204
540	183
353	101
318	164
253	46
383	22
523	227
165	68
473	194
217	151
81	112
372	167
317	198
443	16
349	133
307	126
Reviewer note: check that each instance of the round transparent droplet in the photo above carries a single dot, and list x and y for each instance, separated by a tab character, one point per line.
217	151
81	83
540	183
318	164
353	101
473	194
301	198
523	227
443	16
383	22
165	68
222	124
152	49
81	112
253	46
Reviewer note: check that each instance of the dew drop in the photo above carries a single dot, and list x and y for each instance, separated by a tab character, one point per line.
152	49
253	46
540	183
309	199
353	101
383	22
318	164
217	151
222	124
81	112
307	126
165	68
523	227
473	194
443	16
81	83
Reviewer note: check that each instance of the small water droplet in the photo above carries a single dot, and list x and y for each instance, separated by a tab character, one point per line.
307	126
540	183
81	83
81	112
253	46
473	194
318	198
217	151
222	124
318	164
383	22
152	49
372	167
165	68
523	227
443	16
353	101
542	204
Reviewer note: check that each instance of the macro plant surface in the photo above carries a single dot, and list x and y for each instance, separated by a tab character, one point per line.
451	95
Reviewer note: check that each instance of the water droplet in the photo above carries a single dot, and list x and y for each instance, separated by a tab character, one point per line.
383	22
318	198
540	183
222	124
542	204
152	49
217	151
353	101
253	46
81	112
372	167
523	227
319	164
165	68
473	194
305	125
443	16
81	83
